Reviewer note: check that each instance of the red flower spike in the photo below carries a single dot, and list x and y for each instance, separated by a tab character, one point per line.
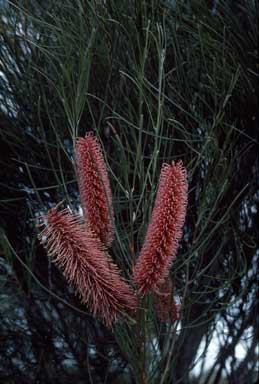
85	264
166	307
94	188
165	229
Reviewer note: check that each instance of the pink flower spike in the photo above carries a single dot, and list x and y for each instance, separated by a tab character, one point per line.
94	188
85	264
165	229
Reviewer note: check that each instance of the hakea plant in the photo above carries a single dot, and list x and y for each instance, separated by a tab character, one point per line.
79	247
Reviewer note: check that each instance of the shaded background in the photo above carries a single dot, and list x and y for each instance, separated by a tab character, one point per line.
156	81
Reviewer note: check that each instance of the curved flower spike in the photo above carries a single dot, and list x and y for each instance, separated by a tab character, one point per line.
165	229
94	188
84	263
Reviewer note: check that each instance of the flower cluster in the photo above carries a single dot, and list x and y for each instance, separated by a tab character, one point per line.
80	248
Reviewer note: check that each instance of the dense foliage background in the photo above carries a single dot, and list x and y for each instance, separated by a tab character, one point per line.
156	81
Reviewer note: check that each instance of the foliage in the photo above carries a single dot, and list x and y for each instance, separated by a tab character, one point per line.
156	81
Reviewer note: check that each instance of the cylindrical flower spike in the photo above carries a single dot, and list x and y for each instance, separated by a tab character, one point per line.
94	188
165	229
84	263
